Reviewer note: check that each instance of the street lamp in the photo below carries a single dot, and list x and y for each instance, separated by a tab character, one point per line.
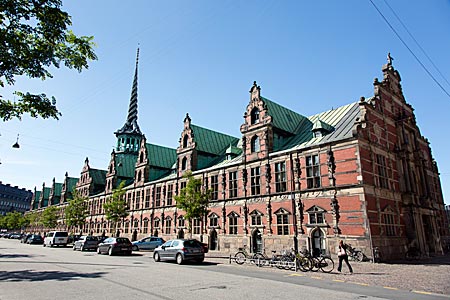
16	144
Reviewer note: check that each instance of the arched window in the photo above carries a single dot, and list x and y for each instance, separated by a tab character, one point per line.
184	163
139	176
141	157
254	116
255	144
145	226
185	141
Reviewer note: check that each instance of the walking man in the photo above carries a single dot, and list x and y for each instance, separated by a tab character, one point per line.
342	255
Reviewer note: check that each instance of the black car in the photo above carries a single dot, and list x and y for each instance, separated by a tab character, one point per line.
115	245
35	239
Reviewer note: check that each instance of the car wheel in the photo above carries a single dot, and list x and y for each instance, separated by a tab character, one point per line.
110	251
179	259
43	245
82	248
98	251
135	248
74	248
51	245
200	260
156	257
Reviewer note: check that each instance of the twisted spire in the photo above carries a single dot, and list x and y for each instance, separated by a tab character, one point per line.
131	125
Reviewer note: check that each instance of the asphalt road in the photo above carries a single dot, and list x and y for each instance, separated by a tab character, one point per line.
35	272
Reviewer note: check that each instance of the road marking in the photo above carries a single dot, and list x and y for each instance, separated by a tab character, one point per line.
338	280
390	288
295	274
359	283
422	292
316	277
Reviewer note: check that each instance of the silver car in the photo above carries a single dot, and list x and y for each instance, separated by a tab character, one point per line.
180	250
86	242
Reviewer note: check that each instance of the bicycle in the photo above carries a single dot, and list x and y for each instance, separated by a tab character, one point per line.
376	255
262	259
355	254
242	255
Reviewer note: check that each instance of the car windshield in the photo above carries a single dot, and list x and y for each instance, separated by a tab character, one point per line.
61	234
91	238
122	240
192	243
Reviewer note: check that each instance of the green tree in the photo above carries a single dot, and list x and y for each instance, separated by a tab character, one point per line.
35	36
49	217
13	220
116	206
76	211
33	218
192	200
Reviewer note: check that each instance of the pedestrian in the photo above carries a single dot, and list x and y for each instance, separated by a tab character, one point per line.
342	255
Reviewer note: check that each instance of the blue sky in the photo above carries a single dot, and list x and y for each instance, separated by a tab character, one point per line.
202	57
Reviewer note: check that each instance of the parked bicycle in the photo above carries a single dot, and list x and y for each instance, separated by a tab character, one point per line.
355	254
242	255
262	259
321	262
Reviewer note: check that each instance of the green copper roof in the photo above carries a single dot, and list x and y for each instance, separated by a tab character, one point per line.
284	118
125	164
46	193
320	125
71	183
98	176
210	141
341	119
159	156
233	150
58	189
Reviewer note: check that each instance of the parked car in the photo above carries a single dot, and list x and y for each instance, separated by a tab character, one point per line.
180	250
86	242
101	238
35	239
115	245
15	235
56	238
25	238
148	243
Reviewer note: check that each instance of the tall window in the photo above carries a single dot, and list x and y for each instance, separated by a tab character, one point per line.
185	141
233	223
214	187
156	223
158	196
213	220
167	225
181	221
389	223
254	116
136	223
169	194
256	217
145	226
147	198
280	177
138	199
196	226
312	171
382	171
255	144
255	181
232	184
316	215
184	163
126	226
283	224
129	201
182	185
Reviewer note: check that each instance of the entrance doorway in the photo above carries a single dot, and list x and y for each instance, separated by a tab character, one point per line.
317	242
257	246
213	240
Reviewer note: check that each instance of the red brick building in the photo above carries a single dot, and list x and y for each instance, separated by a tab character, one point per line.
361	172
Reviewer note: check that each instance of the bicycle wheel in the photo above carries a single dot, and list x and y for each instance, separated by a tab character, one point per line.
260	260
306	264
360	256
315	264
240	257
326	264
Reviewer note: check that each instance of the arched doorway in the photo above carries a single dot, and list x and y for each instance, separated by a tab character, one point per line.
317	242
180	234
213	239
257	246
134	236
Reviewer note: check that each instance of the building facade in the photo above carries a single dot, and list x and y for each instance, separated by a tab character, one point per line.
13	198
362	173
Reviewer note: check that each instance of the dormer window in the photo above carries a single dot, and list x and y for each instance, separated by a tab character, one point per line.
185	141
255	144
184	164
254	116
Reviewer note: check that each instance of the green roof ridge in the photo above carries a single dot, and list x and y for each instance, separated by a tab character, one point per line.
210	141
284	118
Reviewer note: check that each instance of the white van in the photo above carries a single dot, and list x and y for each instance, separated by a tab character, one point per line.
56	238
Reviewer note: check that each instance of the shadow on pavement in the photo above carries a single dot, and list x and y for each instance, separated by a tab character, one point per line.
16	255
27	275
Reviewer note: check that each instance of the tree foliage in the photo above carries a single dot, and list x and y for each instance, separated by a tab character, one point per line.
49	217
13	220
192	200
116	206
35	36
76	211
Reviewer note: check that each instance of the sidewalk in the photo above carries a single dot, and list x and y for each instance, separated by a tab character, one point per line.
429	275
